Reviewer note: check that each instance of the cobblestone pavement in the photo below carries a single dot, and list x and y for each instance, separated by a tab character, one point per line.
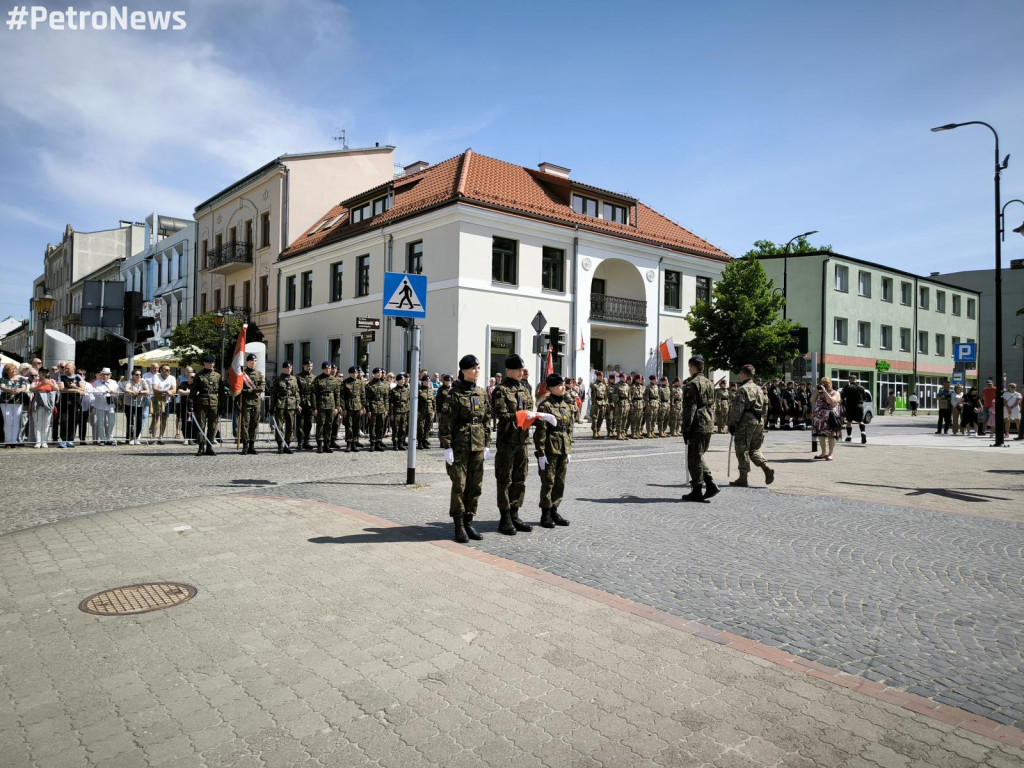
317	640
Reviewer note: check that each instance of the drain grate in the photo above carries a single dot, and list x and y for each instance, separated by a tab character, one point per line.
137	598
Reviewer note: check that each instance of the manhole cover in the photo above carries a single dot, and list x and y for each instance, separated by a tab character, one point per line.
137	598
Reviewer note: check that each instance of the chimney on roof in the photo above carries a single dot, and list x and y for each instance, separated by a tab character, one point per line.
419	165
555	170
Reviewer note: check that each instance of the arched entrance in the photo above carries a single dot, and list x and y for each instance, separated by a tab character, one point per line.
618	316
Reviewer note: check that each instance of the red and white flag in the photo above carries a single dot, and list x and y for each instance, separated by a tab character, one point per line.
525	418
549	368
582	345
236	376
667	349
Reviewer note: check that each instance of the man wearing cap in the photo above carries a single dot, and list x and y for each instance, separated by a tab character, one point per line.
598	404
511	457
204	403
284	399
304	423
249	399
425	412
852	398
325	408
104	393
400	405
698	424
352	405
746	425
377	396
466	437
553	448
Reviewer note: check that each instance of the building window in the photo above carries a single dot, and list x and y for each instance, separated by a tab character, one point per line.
265	293
503	344
248	231
673	294
552	269
337	275
940	345
940	301
885	337
584	205
970	308
839	330
704	289
289	352
906	294
216	299
265	229
202	304
864	284
334	352
842	278
503	261
307	289
363	275
616	213
204	248
922	342
231	295
414	258
359	213
904	339
159	271
954	341
382	205
863	334
306	350
887	289
956	305
247	295
922	297
289	293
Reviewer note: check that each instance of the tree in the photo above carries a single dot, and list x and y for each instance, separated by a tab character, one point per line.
201	332
742	324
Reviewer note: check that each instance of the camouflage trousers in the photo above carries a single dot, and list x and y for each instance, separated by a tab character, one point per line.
425	419
552	481
467	475
400	427
597	416
696	445
376	423
747	441
324	425
664	416
352	420
248	419
511	463
649	422
285	418
208	420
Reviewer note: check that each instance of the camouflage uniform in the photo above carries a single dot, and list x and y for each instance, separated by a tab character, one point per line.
649	424
555	444
352	393
511	458
676	408
204	401
400	416
424	415
284	397
746	423
326	406
698	424
305	417
665	407
339	413
598	406
249	400
377	395
622	410
636	408
722	409
466	429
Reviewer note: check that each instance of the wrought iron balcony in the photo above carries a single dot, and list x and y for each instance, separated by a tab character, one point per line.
230	257
617	309
71	318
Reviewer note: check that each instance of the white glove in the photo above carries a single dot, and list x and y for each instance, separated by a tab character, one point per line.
568	458
542	463
449	456
487	453
550	418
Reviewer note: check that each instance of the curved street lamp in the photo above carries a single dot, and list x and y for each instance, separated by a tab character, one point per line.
785	270
1000	167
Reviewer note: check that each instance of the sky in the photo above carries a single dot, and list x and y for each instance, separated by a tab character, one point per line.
742	120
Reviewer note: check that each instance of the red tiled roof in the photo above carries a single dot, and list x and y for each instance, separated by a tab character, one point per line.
477	179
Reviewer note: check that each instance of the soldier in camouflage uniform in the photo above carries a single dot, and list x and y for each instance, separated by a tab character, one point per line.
649	422
352	405
339	403
698	424
466	437
325	408
425	413
599	404
284	399
511	460
400	405
249	401
636	406
676	407
553	448
204	402
746	425
304	423
622	408
722	406
665	409
377	395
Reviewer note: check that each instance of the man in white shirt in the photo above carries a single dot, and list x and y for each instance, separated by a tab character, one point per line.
162	386
104	393
148	377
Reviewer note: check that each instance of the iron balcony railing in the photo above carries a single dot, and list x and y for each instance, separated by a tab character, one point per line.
230	253
617	309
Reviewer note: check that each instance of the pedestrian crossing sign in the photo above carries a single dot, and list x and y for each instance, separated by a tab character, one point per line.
405	295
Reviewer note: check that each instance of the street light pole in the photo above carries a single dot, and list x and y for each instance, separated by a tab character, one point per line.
785	271
1000	421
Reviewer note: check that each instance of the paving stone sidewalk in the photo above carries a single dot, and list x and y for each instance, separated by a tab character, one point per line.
317	639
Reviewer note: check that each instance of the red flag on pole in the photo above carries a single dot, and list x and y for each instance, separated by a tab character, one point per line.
667	349
582	345
551	365
235	375
549	368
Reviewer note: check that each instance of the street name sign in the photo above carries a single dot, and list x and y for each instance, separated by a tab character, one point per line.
367	323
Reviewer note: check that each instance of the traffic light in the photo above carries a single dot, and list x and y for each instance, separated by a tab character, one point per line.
800	336
556	338
132	310
143	328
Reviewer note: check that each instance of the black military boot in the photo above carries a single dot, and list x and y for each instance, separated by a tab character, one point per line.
327	448
252	447
460	531
306	446
201	450
470	530
280	448
556	518
287	449
695	494
209	450
505	524
769	474
519	524
319	447
710	489
545	518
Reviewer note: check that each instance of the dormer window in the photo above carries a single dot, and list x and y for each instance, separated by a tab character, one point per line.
584	205
370	209
616	213
588	206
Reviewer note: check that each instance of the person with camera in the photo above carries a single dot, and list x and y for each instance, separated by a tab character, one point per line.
825	417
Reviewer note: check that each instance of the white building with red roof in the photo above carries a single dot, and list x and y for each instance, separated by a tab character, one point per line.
499	243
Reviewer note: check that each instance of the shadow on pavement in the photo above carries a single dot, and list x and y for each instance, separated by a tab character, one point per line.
628	499
1006	471
404	533
247	483
948	493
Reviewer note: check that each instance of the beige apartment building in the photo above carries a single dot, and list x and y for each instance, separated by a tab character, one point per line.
242	230
498	243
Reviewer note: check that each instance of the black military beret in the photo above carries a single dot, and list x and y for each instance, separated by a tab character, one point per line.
696	359
378	369
286	364
325	364
400	376
307	361
554	380
446	377
250	356
467	362
208	358
514	363
352	369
